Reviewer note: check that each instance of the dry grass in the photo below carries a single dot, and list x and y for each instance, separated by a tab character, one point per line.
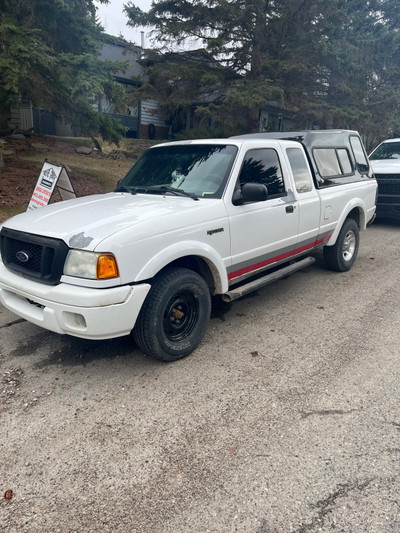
105	171
102	170
105	168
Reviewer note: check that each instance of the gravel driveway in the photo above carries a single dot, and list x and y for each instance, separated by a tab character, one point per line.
285	419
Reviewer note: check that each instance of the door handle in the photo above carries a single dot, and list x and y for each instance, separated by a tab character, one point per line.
290	208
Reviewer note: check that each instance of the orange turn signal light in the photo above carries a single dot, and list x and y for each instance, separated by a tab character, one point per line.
107	267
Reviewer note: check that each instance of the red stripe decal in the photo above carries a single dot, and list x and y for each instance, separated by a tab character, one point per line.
277	258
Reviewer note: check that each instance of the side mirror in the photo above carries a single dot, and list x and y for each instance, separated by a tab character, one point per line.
249	193
363	169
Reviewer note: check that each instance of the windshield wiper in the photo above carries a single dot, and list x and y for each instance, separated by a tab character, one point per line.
123	188
173	190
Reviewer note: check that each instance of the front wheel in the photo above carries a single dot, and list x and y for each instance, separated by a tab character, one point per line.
174	316
343	253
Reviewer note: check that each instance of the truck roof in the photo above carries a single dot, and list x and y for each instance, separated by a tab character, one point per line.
312	139
306	137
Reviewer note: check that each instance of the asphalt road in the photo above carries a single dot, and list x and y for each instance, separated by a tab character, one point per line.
285	419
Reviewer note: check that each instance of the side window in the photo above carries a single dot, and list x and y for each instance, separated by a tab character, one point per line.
359	154
262	166
327	162
301	172
344	159
333	162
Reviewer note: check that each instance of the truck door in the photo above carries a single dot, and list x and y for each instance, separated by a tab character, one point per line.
309	204
262	233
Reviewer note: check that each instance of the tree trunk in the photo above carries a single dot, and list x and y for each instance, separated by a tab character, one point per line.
4	130
253	120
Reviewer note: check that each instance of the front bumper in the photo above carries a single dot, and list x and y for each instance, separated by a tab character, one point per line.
68	309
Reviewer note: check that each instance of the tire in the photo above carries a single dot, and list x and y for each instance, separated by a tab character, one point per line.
174	316
343	253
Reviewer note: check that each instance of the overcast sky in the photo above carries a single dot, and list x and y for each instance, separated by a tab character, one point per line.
114	20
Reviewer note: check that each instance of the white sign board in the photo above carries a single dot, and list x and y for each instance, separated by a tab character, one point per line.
51	176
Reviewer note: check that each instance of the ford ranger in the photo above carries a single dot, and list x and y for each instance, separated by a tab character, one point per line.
191	220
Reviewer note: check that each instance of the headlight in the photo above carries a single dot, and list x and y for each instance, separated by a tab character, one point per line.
91	265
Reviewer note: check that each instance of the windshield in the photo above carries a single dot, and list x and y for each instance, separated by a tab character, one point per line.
386	151
200	170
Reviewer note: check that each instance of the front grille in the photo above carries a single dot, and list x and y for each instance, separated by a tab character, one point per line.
33	251
388	184
388	188
393	177
33	256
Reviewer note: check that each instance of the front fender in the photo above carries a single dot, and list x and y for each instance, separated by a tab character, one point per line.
355	203
185	249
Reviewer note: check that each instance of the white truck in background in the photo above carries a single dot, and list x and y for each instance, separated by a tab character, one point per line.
385	163
190	220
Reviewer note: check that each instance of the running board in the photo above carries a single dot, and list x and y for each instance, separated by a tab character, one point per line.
266	280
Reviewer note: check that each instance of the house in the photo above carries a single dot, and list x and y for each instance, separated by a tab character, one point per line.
187	87
143	119
274	118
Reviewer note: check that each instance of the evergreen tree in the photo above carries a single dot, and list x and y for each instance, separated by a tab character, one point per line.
359	60
258	50
49	55
336	62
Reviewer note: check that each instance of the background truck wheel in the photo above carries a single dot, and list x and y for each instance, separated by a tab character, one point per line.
174	316
342	255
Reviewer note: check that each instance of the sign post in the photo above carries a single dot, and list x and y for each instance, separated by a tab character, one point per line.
51	176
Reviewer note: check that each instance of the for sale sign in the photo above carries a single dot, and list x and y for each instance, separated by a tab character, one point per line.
52	176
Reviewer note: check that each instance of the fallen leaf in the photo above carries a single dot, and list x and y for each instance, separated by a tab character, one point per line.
233	449
255	353
241	314
320	307
8	494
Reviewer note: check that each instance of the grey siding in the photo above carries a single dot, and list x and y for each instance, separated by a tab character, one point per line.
22	116
151	115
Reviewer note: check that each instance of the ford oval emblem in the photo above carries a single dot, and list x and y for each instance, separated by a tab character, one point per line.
22	257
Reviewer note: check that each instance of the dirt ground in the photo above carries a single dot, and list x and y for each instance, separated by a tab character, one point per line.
19	178
284	420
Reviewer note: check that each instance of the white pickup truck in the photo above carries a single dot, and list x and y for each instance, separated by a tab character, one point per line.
190	220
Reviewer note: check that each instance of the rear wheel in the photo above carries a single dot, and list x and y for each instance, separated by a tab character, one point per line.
174	316
343	253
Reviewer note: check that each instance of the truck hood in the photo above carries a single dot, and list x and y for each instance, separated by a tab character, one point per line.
386	166
84	222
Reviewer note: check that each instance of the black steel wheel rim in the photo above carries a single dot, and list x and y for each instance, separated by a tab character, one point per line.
181	315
